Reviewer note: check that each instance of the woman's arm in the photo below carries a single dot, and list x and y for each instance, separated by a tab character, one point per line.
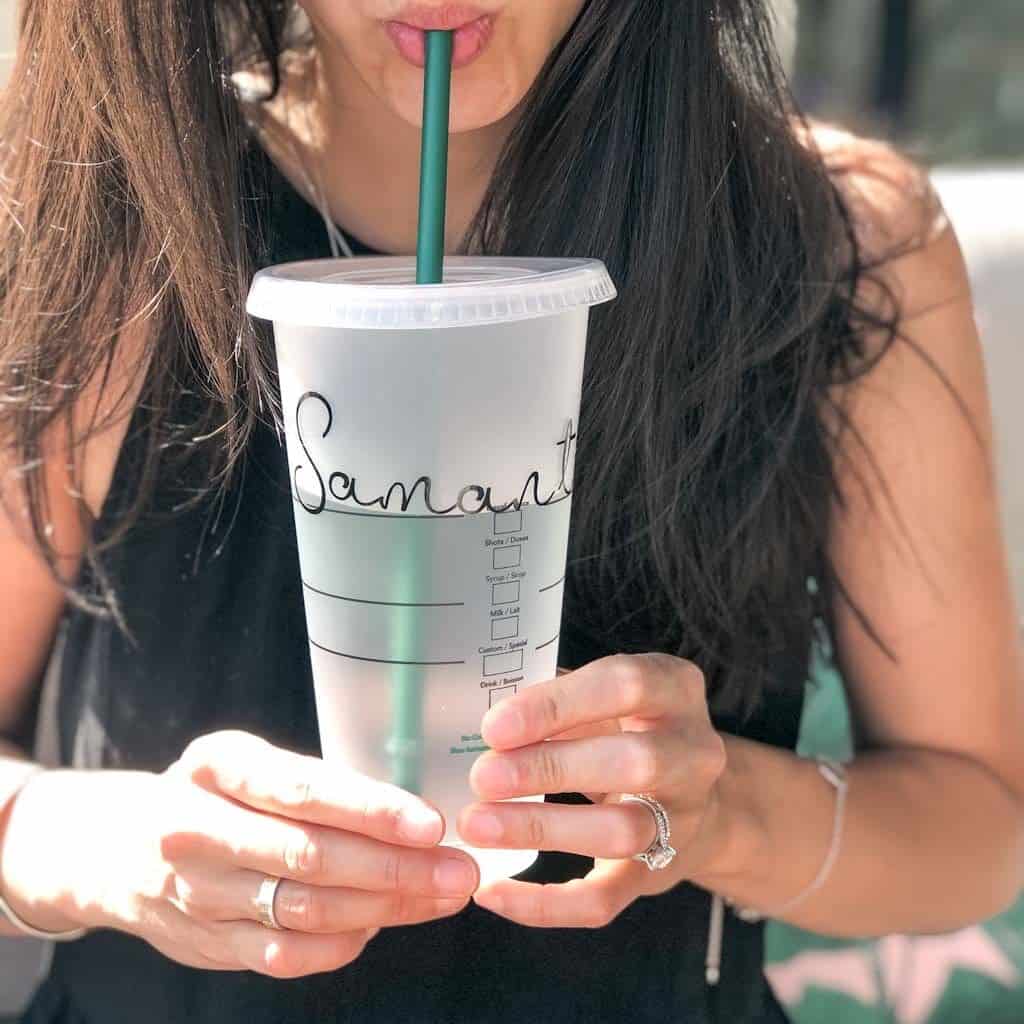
934	825
31	601
179	858
934	833
30	607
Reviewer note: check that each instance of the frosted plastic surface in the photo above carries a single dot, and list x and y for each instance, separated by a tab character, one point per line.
432	476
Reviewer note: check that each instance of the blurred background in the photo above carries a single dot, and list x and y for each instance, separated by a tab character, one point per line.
945	80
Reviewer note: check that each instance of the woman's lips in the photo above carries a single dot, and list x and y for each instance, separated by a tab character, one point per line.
469	40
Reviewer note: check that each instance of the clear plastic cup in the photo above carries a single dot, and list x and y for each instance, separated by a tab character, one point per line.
431	433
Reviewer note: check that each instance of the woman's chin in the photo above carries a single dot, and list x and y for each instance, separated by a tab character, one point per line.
477	99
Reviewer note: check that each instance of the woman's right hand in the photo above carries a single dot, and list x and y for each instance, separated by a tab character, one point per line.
178	858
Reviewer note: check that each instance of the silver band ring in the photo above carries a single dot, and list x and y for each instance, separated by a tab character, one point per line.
659	854
265	903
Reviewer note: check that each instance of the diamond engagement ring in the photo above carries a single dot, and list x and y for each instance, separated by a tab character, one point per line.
265	902
659	854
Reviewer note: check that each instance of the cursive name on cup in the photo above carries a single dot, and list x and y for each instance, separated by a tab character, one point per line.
471	500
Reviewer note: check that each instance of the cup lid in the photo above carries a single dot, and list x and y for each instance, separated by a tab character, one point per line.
380	292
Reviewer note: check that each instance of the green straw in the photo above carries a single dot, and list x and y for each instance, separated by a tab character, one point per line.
406	744
437	88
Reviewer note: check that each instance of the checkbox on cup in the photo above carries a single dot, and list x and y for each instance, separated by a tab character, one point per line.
508	522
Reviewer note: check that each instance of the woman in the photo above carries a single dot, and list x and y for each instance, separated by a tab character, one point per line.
786	433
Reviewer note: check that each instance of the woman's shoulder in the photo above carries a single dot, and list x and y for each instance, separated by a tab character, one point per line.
889	197
907	250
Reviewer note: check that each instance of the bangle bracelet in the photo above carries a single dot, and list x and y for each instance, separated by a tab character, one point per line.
7	912
36	933
835	774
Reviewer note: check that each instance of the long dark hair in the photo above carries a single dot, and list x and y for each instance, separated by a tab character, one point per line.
660	137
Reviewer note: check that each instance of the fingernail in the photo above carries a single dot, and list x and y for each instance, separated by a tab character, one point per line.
503	726
485	826
420	824
454	876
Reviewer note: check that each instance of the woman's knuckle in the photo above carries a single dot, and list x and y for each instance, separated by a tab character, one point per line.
551	709
550	770
298	797
536	831
633	693
389	819
237	740
619	664
377	816
393	871
713	759
305	856
196	761
210	746
364	808
630	681
196	751
205	757
692	681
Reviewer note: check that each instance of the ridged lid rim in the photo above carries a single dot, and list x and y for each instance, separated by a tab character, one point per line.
380	293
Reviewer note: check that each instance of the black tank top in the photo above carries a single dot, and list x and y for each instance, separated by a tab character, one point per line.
215	609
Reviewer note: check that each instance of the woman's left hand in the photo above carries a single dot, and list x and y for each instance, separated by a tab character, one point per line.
625	724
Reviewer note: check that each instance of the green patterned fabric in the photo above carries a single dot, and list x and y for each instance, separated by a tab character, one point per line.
975	976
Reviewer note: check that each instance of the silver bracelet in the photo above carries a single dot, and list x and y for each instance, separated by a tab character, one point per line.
23	926
835	774
36	933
